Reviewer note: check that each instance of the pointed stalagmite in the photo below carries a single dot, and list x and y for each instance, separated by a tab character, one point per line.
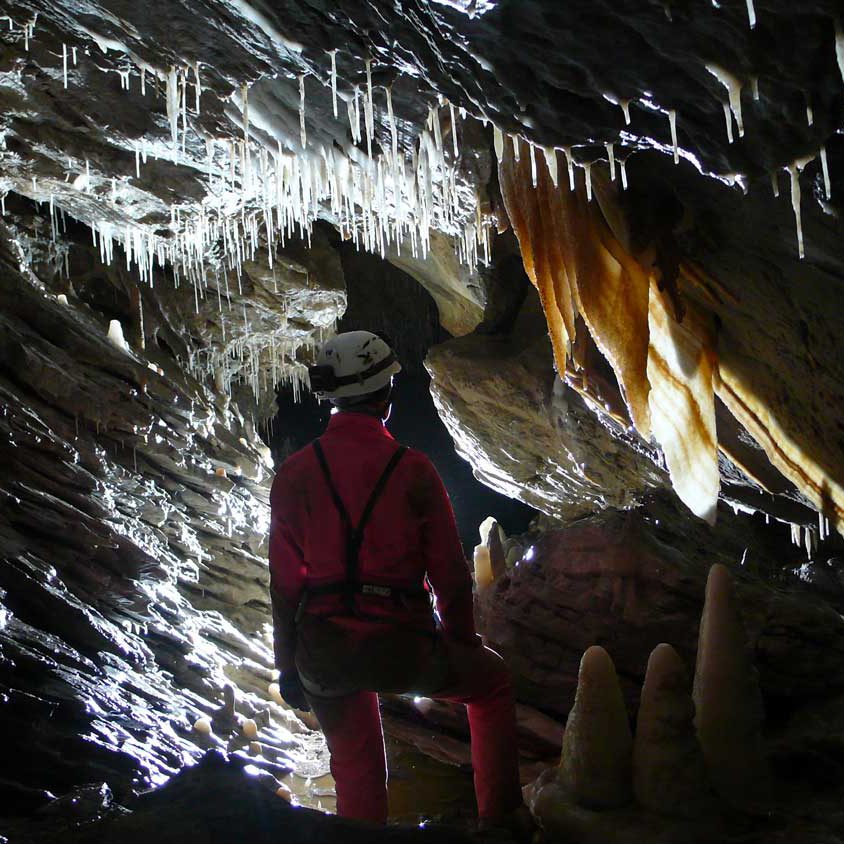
669	774
597	746
727	699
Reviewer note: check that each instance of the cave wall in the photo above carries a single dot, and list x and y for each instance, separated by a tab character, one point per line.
133	532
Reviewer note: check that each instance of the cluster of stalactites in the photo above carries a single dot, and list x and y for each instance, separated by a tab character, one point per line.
575	252
276	192
259	194
258	360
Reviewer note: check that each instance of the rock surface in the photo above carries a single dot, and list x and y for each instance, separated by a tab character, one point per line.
133	529
526	434
629	581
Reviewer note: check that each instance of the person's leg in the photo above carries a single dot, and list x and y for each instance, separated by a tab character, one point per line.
479	678
352	727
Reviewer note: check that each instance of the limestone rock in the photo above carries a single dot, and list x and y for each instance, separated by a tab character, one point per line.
455	289
597	746
669	774
526	437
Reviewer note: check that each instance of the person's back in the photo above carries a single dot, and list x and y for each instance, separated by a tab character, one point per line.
360	526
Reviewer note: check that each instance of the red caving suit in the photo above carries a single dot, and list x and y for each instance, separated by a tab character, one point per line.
384	644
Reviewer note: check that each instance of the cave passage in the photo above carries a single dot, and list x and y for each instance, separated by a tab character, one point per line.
606	241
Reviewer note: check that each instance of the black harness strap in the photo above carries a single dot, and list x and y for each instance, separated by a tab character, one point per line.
354	535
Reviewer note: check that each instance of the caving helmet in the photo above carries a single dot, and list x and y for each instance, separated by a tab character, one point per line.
354	364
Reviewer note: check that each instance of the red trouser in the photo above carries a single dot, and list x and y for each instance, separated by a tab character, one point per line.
475	676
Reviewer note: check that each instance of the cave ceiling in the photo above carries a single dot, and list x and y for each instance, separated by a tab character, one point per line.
201	141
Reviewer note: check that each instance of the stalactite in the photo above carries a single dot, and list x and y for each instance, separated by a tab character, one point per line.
733	86
672	120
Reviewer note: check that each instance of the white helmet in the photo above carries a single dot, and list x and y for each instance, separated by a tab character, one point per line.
354	363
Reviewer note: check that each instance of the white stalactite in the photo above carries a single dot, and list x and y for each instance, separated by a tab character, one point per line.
672	121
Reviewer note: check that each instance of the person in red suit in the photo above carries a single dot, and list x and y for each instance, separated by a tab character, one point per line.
371	592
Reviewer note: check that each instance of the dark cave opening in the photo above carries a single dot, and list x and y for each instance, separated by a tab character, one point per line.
384	299
413	422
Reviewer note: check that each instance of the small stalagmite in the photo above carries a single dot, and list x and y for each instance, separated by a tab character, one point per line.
728	703
669	774
489	558
597	746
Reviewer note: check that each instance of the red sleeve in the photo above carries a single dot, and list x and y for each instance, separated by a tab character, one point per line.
445	562
287	570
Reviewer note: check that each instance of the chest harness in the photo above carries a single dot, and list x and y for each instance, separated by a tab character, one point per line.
352	586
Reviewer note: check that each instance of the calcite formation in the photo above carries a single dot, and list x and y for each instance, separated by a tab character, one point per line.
728	705
596	761
669	774
216	156
665	767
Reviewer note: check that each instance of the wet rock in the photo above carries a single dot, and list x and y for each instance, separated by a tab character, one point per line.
499	400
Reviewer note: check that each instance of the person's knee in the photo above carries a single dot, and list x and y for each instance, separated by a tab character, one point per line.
497	671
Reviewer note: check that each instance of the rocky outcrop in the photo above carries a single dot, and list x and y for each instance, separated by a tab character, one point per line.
217	800
529	436
133	527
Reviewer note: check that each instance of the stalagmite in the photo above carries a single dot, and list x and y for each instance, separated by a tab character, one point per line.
483	567
275	694
733	86
728	703
202	726
672	120
596	760
669	773
115	335
249	728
